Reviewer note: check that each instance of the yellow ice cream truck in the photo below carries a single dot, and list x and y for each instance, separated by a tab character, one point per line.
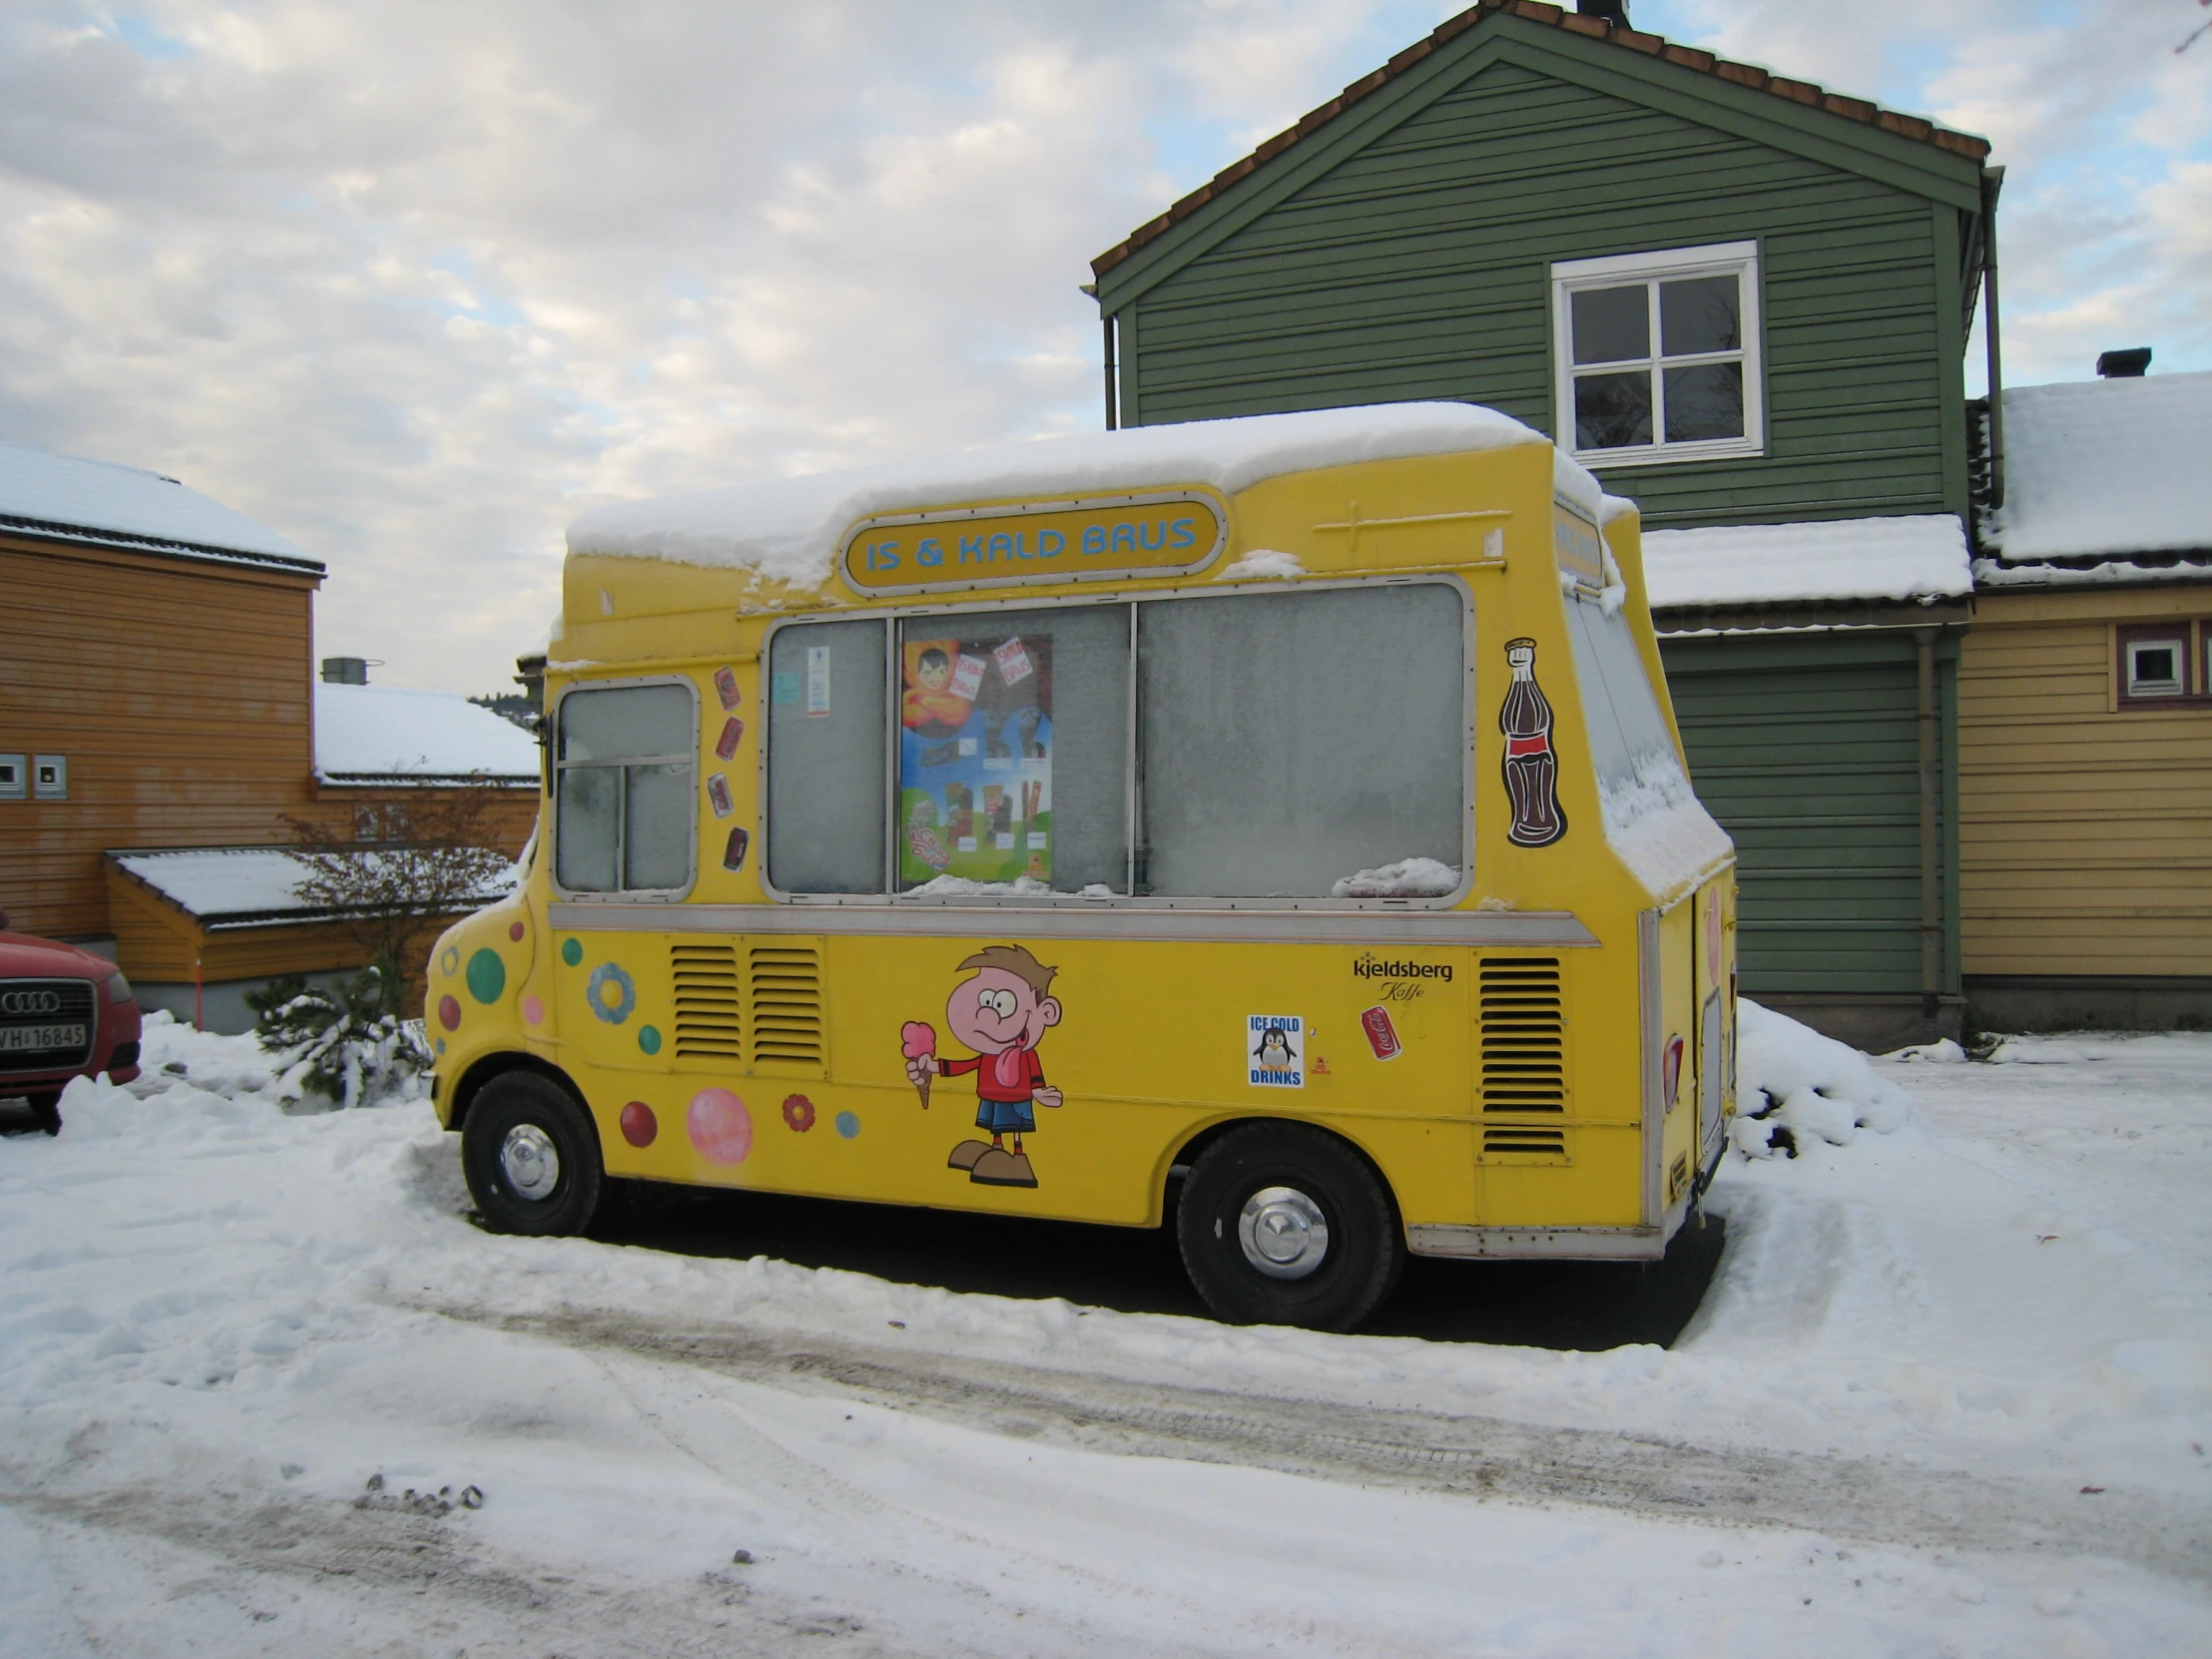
1279	820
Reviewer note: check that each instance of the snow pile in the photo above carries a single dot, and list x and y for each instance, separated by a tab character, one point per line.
1408	879
1914	556
1657	827
961	886
1994	573
385	733
788	529
1812	1087
185	1068
1261	564
63	492
2105	467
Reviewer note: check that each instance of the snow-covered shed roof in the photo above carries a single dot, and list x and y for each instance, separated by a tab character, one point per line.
788	529
62	496
389	735
242	886
2105	469
1917	557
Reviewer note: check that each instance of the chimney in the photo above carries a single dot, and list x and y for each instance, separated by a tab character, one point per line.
345	671
2125	365
1613	11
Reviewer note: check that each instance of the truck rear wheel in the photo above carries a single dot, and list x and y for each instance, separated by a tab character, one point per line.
1281	1224
531	1156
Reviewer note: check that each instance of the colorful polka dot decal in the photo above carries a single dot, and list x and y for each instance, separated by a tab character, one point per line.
449	1013
799	1112
449	961
533	1010
639	1125
612	993
649	1038
487	976
514	931
848	1125
572	951
720	1127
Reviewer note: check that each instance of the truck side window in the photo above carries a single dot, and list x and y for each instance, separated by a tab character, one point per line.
1292	741
625	814
826	800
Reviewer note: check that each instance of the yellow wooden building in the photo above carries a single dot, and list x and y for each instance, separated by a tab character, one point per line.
2085	711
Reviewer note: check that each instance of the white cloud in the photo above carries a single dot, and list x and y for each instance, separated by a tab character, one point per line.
415	282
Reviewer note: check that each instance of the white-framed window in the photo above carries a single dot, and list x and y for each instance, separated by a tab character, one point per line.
1657	355
625	814
2154	663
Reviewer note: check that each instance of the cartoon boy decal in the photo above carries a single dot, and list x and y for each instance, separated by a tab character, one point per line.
1002	1013
931	705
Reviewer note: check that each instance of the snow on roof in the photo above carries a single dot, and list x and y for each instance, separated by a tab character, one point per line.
2094	468
240	887
383	733
99	501
1918	556
788	529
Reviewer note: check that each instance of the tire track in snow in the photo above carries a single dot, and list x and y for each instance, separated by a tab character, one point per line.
1869	1500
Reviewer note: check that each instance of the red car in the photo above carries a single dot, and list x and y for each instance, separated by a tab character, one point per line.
64	1013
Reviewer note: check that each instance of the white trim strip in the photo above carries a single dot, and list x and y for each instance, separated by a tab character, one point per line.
1572	1244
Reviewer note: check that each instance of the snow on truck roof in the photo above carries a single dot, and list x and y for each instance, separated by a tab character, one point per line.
388	734
788	529
96	501
2105	469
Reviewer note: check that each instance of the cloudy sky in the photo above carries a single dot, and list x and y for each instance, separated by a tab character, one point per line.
415	282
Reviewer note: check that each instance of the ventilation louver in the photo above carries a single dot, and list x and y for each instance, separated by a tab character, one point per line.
1523	1035
1527	1143
707	998
786	995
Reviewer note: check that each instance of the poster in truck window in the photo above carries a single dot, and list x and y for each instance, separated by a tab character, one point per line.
975	758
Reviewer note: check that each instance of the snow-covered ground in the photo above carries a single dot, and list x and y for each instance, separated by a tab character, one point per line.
1951	1392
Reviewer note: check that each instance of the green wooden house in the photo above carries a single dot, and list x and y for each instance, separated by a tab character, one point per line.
1744	302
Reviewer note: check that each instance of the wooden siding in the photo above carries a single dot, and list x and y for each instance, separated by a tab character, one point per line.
1807	750
1417	267
2085	832
180	693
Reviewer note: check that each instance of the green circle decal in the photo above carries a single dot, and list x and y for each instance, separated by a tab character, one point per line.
487	976
572	951
649	1038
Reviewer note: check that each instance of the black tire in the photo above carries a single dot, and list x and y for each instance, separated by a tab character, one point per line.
514	1104
1366	1248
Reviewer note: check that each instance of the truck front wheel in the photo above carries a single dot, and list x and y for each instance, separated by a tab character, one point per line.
1283	1224
531	1156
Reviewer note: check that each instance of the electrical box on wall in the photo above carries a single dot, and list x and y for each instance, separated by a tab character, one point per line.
15	777
50	777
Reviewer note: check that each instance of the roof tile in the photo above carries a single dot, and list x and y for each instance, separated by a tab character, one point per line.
1536	11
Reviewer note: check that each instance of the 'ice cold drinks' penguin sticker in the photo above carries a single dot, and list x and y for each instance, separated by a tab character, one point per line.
1274	1052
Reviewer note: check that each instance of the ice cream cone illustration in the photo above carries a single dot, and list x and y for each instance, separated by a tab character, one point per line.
921	1045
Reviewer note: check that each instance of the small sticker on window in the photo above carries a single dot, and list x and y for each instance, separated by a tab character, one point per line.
1013	663
1274	1052
782	688
968	677
818	679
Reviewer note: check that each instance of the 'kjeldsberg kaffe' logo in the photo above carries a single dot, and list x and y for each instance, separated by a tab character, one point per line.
1381	967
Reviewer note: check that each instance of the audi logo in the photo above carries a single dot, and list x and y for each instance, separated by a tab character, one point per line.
30	1003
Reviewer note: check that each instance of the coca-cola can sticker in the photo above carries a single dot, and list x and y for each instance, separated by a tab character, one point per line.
1274	1052
1380	1033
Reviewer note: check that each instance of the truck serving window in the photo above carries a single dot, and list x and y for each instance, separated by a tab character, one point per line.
825	799
1291	741
624	815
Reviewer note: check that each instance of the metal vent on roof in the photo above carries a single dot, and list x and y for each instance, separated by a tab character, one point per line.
1523	1035
2128	364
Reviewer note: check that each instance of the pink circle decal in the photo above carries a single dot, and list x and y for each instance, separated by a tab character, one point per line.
639	1125
514	933
449	1013
533	1011
720	1126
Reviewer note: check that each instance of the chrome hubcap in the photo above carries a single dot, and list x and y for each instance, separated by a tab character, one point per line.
1283	1232
529	1162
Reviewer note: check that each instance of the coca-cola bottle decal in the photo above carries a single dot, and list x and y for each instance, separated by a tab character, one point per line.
1531	769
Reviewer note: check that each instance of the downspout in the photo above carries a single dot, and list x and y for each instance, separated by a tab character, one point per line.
1993	181
1113	379
199	996
1931	886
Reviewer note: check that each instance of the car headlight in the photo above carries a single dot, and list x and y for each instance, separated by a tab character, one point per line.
119	989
